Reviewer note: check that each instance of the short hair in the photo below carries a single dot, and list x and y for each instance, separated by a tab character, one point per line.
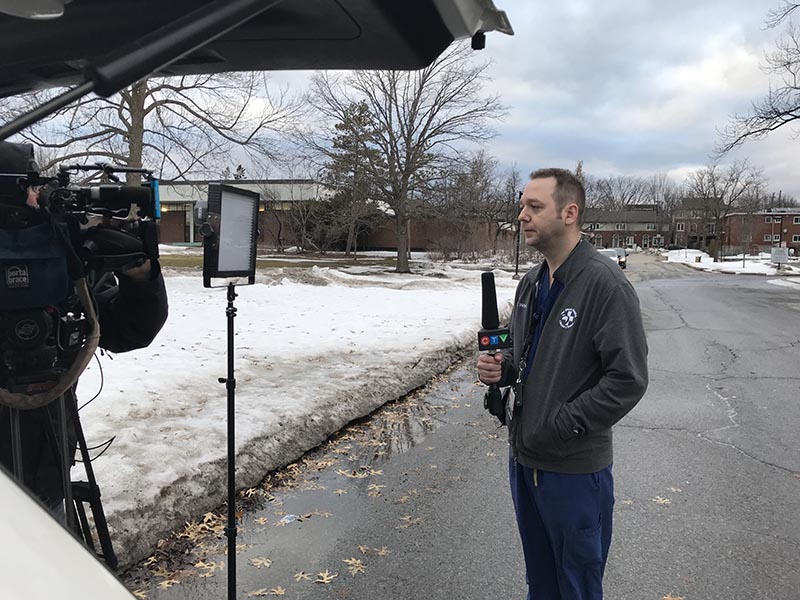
568	189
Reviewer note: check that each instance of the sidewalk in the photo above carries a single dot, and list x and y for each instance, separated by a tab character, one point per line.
748	266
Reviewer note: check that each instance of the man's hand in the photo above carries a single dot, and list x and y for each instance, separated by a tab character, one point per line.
140	273
32	198
490	367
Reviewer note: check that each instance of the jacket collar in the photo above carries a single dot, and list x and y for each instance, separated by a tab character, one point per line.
575	262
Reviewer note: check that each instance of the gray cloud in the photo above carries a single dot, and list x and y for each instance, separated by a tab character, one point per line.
632	87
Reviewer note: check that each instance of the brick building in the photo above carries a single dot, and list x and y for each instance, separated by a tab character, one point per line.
760	231
692	225
638	225
179	198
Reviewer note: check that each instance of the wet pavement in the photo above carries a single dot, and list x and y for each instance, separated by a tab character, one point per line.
413	501
360	513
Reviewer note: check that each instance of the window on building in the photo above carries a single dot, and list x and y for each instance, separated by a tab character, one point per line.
681	227
630	240
767	219
620	226
598	240
776	238
693	227
797	220
777	219
650	227
645	241
796	238
711	228
768	238
658	241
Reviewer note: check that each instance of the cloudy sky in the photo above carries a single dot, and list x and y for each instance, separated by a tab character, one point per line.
634	88
631	87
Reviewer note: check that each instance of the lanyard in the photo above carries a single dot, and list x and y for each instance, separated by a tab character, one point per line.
544	299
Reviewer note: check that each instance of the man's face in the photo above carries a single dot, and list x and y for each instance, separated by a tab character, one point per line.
541	221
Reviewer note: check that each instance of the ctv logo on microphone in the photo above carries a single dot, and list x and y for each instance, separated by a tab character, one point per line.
495	339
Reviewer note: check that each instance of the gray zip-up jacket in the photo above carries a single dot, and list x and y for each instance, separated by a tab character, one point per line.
589	370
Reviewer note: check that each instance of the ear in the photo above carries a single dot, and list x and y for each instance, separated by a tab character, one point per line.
570	214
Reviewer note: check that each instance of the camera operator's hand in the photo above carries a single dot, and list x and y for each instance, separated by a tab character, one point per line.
490	367
140	273
32	199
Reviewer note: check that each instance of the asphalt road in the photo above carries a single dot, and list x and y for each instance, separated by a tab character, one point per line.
413	502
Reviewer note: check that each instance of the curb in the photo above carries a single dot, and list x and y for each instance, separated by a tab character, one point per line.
136	531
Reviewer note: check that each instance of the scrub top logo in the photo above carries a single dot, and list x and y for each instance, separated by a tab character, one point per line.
567	318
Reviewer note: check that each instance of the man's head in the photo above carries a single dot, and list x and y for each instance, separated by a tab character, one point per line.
16	160
551	211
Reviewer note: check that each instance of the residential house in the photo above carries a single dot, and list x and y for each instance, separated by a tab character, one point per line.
637	225
759	231
692	224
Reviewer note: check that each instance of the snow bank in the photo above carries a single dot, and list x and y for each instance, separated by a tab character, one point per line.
310	357
752	265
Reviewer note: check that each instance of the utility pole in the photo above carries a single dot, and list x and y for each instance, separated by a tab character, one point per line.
519	229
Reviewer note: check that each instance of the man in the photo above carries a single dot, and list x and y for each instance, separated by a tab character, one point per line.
131	309
578	365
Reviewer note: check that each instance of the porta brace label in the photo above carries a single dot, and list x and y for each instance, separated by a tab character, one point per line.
17	277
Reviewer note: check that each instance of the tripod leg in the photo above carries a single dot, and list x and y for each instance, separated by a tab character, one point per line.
82	496
96	505
16	444
66	462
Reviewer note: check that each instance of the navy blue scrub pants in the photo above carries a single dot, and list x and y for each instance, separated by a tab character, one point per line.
565	524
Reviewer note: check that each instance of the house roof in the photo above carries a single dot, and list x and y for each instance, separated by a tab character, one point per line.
600	215
275	190
769	212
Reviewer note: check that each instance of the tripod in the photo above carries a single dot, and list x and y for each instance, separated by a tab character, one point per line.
78	495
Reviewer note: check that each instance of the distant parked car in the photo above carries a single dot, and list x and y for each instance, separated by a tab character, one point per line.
611	253
622	257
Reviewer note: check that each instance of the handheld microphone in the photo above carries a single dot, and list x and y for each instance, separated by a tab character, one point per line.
492	337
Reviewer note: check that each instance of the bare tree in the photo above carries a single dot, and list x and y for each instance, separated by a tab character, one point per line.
783	12
178	126
512	186
781	105
466	199
666	194
619	191
591	185
484	193
721	190
418	118
288	209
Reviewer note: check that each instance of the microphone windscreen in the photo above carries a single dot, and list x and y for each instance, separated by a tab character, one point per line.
489	317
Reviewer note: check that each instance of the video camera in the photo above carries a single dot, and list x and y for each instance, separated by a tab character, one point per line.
120	241
54	234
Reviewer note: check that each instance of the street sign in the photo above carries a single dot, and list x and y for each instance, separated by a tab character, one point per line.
780	256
